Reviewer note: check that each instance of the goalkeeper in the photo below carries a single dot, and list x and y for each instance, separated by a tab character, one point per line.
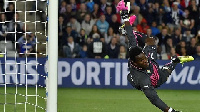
145	74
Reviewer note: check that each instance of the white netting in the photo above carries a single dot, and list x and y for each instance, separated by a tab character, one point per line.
22	41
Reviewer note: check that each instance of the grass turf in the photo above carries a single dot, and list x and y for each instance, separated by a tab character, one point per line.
104	100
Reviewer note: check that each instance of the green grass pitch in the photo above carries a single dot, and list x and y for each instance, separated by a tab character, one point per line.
103	100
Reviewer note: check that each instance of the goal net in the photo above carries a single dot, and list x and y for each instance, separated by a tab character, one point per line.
23	52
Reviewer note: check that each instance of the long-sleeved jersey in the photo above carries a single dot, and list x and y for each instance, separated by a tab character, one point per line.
152	77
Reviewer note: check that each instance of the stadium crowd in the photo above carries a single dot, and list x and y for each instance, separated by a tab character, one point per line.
89	28
15	34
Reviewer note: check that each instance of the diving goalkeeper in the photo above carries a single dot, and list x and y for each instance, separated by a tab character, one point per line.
145	74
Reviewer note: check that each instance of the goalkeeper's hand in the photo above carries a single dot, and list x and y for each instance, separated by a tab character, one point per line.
175	59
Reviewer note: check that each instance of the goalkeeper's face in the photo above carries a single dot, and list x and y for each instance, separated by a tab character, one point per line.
141	61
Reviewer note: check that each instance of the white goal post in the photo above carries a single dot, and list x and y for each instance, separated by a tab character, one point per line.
52	55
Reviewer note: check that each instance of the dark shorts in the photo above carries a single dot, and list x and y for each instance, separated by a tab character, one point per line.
163	76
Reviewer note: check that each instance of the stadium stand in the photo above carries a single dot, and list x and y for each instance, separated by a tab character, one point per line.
77	18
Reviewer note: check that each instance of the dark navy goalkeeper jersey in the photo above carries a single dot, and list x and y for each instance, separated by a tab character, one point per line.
152	77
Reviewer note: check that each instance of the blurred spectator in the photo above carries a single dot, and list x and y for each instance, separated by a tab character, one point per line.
143	8
74	5
96	49
90	5
142	27
163	36
149	32
103	5
69	13
10	11
113	48
82	38
185	3
26	45
1	5
115	2
122	52
95	30
183	51
108	14
15	24
61	29
67	33
115	24
166	5
172	53
139	17
174	15
71	49
3	28
74	24
161	18
82	12
198	36
187	36
150	16
96	13
102	24
197	55
160	54
192	47
83	52
156	7
12	27
182	44
187	22
177	36
62	8
154	29
122	40
168	45
16	18
87	24
109	35
194	12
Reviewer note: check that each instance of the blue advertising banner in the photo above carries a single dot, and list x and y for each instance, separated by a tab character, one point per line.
90	73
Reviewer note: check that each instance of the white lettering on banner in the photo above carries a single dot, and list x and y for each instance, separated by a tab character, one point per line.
89	73
107	66
198	78
1	74
63	71
117	74
22	72
189	78
125	72
32	72
93	74
78	65
11	72
182	75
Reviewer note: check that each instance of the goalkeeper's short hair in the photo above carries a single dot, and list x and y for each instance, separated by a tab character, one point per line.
133	52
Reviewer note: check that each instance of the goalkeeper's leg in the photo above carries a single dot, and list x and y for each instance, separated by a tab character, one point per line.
167	69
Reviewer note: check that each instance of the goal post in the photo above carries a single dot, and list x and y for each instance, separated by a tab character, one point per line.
52	55
29	56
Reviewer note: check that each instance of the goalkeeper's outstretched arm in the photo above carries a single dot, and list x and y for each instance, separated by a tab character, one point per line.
130	35
151	94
